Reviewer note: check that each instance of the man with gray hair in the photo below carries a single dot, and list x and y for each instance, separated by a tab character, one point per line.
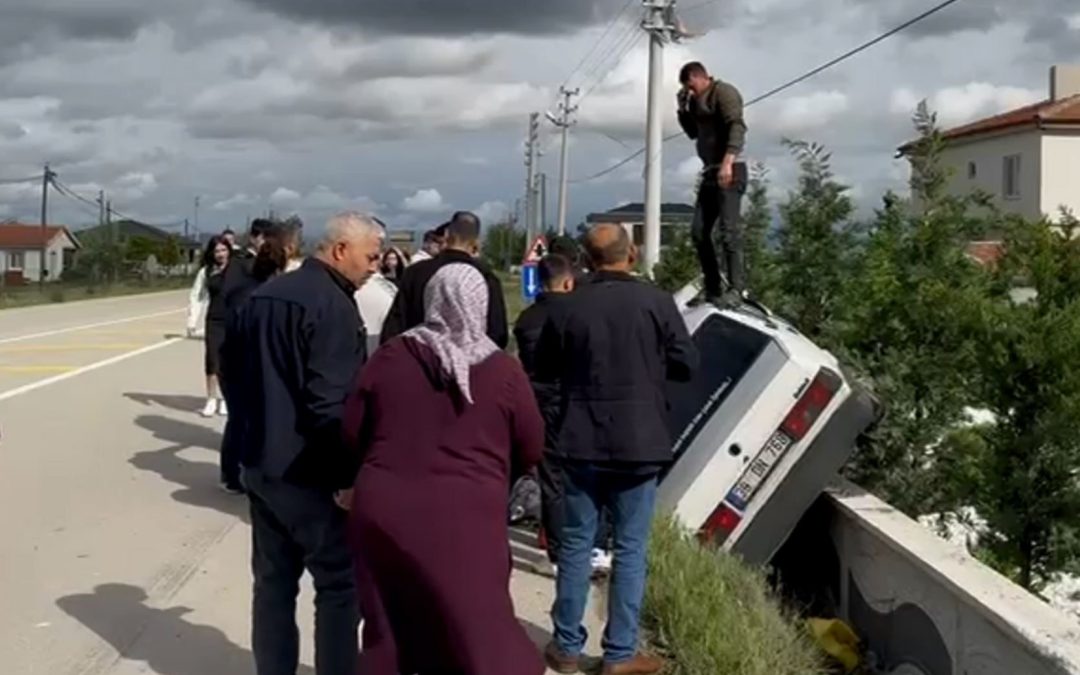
298	343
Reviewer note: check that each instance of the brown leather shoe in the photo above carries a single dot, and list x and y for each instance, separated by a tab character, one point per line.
559	662
642	664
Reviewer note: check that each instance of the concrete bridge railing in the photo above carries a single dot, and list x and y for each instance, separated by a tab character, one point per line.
922	605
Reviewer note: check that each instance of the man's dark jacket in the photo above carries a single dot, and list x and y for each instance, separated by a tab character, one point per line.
612	347
295	348
715	121
527	331
239	281
408	309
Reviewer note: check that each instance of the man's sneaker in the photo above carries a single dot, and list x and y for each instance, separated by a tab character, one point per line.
559	662
642	664
222	409
232	489
601	563
211	407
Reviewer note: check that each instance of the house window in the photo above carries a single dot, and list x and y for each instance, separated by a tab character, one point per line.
973	171
1011	177
15	261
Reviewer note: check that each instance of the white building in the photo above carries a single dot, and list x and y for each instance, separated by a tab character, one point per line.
1028	159
20	252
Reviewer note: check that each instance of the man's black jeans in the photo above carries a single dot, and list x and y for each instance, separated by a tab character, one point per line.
720	206
294	528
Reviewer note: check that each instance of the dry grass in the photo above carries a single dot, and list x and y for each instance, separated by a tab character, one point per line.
712	614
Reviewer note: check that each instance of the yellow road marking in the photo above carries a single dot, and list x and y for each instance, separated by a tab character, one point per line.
36	369
79	347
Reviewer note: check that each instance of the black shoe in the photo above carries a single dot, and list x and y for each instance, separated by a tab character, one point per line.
232	488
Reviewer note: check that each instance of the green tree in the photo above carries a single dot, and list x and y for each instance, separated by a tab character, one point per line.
815	242
170	254
757	224
1024	483
678	264
910	323
504	246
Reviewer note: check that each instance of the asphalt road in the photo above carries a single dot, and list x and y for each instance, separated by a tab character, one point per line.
118	554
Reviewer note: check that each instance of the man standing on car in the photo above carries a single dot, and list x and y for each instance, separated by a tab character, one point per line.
711	113
611	347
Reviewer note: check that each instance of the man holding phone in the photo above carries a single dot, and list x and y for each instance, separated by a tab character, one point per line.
711	113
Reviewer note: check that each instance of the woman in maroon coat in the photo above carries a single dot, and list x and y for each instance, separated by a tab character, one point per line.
439	416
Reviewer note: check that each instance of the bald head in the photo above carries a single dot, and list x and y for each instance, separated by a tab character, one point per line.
609	248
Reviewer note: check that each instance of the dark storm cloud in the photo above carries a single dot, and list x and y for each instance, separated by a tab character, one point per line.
26	22
451	17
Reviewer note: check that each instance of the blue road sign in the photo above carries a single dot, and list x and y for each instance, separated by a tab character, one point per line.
530	282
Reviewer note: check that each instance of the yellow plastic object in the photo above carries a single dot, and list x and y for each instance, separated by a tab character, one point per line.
837	640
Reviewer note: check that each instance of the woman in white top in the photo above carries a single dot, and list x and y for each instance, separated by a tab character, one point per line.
207	300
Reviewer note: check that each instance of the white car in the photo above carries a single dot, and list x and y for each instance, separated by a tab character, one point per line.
768	420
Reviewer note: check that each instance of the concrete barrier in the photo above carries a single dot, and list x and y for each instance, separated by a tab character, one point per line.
922	606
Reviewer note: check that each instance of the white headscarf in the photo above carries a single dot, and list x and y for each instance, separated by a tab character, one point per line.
455	322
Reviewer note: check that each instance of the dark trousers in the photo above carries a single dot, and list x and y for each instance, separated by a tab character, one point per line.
230	441
296	528
720	206
553	514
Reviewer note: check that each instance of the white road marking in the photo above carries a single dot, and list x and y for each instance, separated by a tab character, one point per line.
19	391
88	326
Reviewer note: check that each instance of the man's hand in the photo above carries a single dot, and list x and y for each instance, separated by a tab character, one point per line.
726	175
683	99
343	498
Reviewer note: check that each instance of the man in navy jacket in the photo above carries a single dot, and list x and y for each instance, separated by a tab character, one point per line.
295	348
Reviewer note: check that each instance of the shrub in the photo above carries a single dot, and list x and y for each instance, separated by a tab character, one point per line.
712	614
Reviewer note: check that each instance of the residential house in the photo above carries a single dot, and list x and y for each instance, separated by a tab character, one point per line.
632	217
21	247
1027	159
149	237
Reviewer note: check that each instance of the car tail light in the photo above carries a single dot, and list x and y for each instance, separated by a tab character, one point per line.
720	525
811	404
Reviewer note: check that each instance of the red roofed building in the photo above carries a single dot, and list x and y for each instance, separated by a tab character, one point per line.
1028	158
20	251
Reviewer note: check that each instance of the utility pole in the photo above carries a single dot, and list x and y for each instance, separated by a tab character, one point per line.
531	156
564	122
543	202
658	24
43	264
197	200
115	256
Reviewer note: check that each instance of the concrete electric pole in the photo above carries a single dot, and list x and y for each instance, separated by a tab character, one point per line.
43	266
659	24
564	122
532	148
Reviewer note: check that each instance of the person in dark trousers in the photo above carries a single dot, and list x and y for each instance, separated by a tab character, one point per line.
462	246
611	347
238	283
296	346
711	113
558	276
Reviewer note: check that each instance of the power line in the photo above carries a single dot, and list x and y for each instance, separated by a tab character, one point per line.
798	80
16	181
615	64
596	45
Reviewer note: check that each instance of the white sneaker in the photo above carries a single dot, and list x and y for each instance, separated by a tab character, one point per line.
601	562
222	409
211	407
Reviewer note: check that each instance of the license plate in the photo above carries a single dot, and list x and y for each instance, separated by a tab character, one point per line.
758	470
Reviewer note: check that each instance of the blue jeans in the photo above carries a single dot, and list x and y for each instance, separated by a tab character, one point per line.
631	499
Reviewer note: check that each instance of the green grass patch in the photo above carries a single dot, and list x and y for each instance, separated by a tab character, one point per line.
53	293
710	614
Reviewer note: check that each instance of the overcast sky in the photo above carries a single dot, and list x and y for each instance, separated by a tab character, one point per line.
413	108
